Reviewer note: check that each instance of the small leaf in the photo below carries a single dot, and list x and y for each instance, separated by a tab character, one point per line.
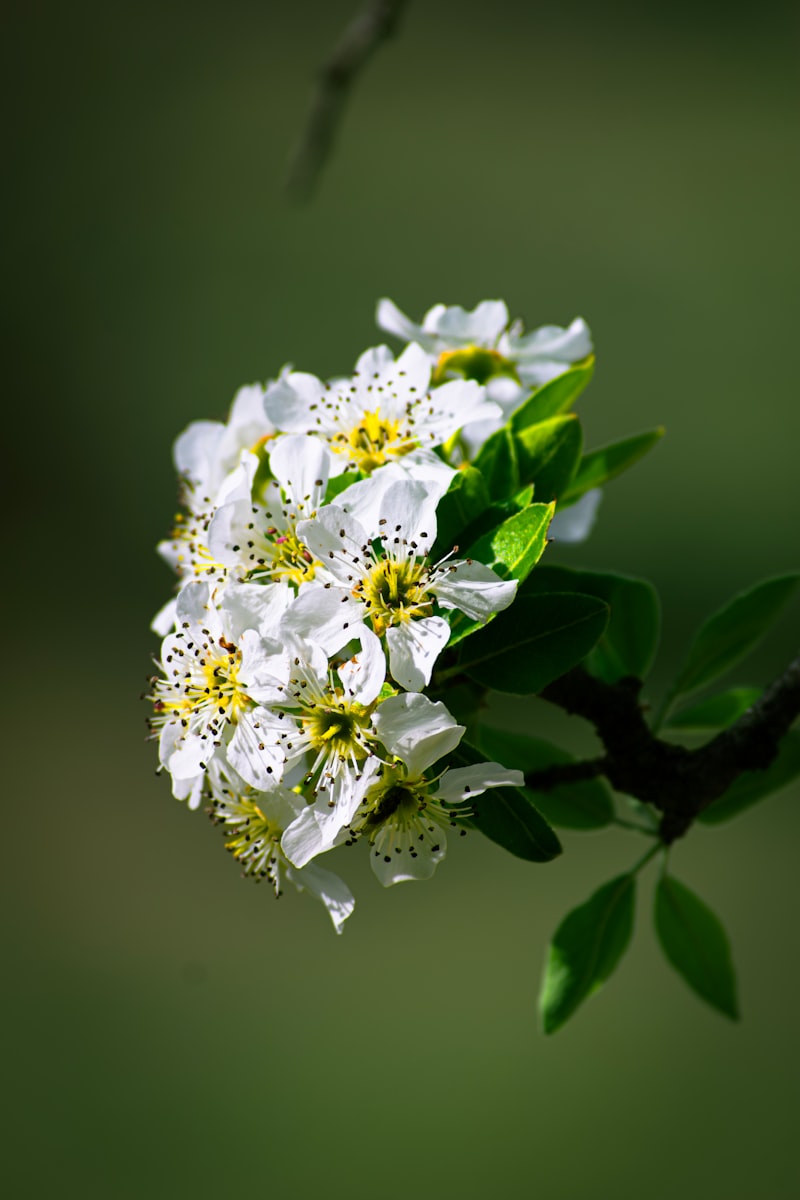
507	815
533	642
753	786
554	397
515	547
716	713
585	949
695	943
464	501
629	643
598	466
497	463
548	453
584	805
733	631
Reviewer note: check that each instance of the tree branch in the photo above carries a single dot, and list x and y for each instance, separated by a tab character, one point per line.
375	23
677	781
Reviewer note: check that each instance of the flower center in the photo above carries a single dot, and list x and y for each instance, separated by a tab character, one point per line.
374	441
284	557
395	591
211	688
473	362
255	840
339	728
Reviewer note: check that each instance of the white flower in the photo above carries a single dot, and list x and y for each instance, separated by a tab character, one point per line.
479	345
253	823
257	540
206	705
395	586
321	723
406	813
385	413
207	451
575	523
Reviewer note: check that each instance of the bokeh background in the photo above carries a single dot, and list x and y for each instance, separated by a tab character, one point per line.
169	1030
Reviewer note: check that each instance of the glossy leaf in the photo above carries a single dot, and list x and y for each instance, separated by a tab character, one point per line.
507	815
547	455
694	941
731	632
718	712
584	805
464	501
533	642
629	643
497	463
554	397
599	466
753	786
585	950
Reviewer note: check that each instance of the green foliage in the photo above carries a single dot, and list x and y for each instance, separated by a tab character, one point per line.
584	805
753	786
599	466
507	815
533	642
585	950
464	501
554	397
547	455
497	463
718	712
730	633
338	483
694	941
629	642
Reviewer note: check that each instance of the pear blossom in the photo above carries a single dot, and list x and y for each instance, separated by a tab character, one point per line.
384	413
206	703
384	567
479	344
253	823
406	812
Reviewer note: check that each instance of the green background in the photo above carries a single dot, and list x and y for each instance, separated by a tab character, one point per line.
169	1029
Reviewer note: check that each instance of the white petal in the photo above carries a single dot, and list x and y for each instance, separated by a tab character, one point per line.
481	327
327	887
389	317
551	342
463	782
363	675
414	647
474	589
374	361
415	853
254	752
292	400
574	524
195	454
164	620
301	464
336	539
255	606
416	730
319	826
324	615
409	515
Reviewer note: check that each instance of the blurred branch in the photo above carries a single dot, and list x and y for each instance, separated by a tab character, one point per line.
677	781
375	23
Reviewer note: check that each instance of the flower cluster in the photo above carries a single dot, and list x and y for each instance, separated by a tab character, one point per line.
296	680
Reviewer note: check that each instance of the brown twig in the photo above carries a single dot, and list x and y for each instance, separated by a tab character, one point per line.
375	23
679	782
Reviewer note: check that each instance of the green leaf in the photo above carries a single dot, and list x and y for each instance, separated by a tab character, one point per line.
512	550
729	634
598	466
533	642
629	643
507	816
554	397
464	501
515	547
585	805
585	950
753	786
716	713
497	463
695	943
338	483
548	453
